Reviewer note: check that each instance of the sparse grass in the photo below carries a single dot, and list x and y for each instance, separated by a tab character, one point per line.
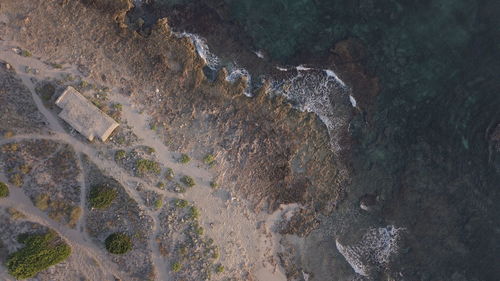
26	53
42	202
188	181
184	159
40	252
118	243
56	65
118	106
194	213
214	184
16	180
24	169
144	166
209	159
176	266
216	253
150	150
8	134
46	92
153	126
15	214
83	84
4	190
158	203
74	216
160	185
10	147
101	197
120	154
181	203
219	268
169	174
198	229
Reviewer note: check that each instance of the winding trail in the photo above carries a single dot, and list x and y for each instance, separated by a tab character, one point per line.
246	246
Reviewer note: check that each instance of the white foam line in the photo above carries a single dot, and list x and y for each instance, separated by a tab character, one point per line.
330	73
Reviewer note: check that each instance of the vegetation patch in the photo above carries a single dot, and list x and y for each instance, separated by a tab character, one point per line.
4	190
144	166
118	243
219	268
194	213
16	180
101	197
169	174
184	159
188	181
176	266
40	252
120	154
209	159
181	203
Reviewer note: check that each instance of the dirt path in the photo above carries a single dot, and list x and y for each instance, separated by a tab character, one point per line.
247	239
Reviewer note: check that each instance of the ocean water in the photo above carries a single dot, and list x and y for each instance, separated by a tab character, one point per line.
427	152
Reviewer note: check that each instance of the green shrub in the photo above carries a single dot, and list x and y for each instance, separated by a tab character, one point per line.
169	174
194	213
120	154
26	53
181	203
42	201
184	158
213	184
176	266
118	243
16	180
188	181
101	197
40	252
4	190
144	166
158	203
209	159
219	268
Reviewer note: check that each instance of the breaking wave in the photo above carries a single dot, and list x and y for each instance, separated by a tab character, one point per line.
319	91
374	251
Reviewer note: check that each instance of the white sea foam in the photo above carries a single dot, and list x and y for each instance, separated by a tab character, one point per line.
303	68
330	73
313	91
237	73
352	100
374	251
259	54
281	68
202	49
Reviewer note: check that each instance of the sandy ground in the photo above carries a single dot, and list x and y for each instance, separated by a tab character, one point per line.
247	240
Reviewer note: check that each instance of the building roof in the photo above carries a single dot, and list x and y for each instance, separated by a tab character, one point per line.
83	116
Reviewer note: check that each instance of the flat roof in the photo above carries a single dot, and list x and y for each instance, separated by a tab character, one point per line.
84	116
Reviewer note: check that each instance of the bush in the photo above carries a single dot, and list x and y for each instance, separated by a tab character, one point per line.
181	203
214	184
184	158
101	197
4	190
188	181
169	174
194	213
118	243
120	154
219	268
176	266
144	166
40	252
209	159
158	203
